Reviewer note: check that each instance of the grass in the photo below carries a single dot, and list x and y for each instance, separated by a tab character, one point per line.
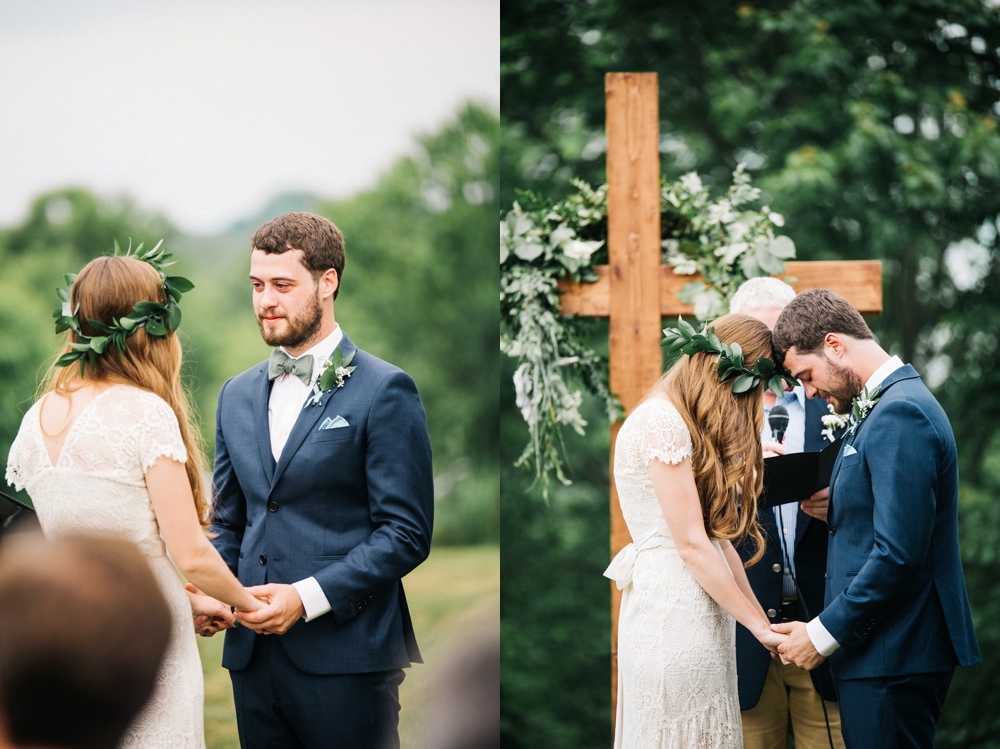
454	595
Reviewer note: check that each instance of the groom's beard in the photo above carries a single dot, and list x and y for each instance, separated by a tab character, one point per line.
298	328
845	385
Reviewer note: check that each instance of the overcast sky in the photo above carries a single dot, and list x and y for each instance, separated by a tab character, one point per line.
204	110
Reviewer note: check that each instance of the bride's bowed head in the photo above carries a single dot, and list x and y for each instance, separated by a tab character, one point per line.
720	399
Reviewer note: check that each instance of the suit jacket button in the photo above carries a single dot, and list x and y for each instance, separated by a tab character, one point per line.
272	506
833	531
772	613
263	558
776	568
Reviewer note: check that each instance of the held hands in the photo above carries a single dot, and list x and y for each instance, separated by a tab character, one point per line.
797	648
282	608
771	640
209	615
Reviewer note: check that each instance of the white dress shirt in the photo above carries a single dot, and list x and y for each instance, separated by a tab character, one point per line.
288	397
820	636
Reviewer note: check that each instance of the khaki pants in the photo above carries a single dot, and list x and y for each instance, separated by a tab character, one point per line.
790	705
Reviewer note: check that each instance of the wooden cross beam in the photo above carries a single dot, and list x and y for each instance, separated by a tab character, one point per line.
635	292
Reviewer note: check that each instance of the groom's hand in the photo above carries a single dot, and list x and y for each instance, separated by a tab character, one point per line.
282	608
798	648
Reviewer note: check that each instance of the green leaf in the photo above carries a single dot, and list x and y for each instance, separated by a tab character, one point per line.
774	385
156	328
744	383
179	284
149	308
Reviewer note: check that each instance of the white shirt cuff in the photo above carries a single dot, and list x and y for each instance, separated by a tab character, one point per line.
821	638
314	600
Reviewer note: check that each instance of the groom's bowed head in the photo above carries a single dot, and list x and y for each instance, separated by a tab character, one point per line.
83	632
826	344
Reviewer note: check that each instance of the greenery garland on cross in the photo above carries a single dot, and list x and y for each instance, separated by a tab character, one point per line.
725	240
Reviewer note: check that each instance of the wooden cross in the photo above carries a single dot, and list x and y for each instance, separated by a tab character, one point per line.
635	292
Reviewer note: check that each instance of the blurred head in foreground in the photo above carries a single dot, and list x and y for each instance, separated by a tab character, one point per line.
83	631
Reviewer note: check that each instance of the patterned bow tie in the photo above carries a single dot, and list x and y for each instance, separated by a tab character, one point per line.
280	363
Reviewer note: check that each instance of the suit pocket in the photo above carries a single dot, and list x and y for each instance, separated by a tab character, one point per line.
333	435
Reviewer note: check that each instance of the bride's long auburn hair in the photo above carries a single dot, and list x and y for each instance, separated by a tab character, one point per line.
105	290
727	457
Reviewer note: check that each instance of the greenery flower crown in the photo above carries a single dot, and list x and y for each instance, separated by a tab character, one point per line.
158	319
685	339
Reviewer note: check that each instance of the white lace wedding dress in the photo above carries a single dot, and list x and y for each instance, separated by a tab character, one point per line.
676	645
97	485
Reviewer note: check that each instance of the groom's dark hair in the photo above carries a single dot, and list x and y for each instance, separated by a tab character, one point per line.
83	631
318	238
806	320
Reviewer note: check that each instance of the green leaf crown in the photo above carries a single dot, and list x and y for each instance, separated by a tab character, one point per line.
684	338
159	319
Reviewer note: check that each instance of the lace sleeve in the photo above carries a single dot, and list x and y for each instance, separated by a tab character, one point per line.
666	436
18	471
158	433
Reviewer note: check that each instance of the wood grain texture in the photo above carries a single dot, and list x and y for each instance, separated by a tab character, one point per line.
633	131
858	281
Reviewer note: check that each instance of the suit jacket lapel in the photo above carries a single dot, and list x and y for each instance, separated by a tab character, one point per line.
906	372
307	419
262	427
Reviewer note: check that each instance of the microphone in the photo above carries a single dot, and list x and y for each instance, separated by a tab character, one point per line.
778	421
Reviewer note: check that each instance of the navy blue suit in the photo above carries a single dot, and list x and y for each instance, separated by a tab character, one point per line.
765	577
351	507
895	595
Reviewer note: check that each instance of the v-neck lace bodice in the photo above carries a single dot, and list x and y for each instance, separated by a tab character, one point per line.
98	480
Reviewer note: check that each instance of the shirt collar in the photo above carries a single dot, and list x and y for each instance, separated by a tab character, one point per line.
322	350
879	375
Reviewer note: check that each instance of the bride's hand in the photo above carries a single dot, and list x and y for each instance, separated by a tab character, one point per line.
209	615
771	640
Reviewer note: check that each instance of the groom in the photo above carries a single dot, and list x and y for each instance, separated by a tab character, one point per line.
323	502
896	620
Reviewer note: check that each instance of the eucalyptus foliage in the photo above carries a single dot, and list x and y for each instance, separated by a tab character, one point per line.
726	241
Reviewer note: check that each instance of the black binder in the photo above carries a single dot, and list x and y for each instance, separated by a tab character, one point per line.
793	478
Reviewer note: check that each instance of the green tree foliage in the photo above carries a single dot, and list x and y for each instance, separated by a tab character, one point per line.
872	129
419	290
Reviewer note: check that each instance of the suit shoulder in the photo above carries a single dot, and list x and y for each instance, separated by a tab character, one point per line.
244	378
377	367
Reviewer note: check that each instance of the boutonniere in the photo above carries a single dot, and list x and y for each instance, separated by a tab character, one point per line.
862	405
834	422
333	373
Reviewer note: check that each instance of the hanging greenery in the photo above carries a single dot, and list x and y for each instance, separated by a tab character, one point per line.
726	241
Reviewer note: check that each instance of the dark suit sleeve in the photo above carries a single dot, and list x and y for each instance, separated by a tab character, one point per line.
400	485
903	453
228	503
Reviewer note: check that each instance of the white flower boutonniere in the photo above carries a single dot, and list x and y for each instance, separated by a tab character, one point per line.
834	422
333	374
862	405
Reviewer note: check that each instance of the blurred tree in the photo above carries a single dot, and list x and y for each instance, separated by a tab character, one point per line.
870	126
419	290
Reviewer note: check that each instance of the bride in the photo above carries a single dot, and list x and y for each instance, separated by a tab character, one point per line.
109	448
688	468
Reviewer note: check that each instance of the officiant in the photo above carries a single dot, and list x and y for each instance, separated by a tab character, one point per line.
775	699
